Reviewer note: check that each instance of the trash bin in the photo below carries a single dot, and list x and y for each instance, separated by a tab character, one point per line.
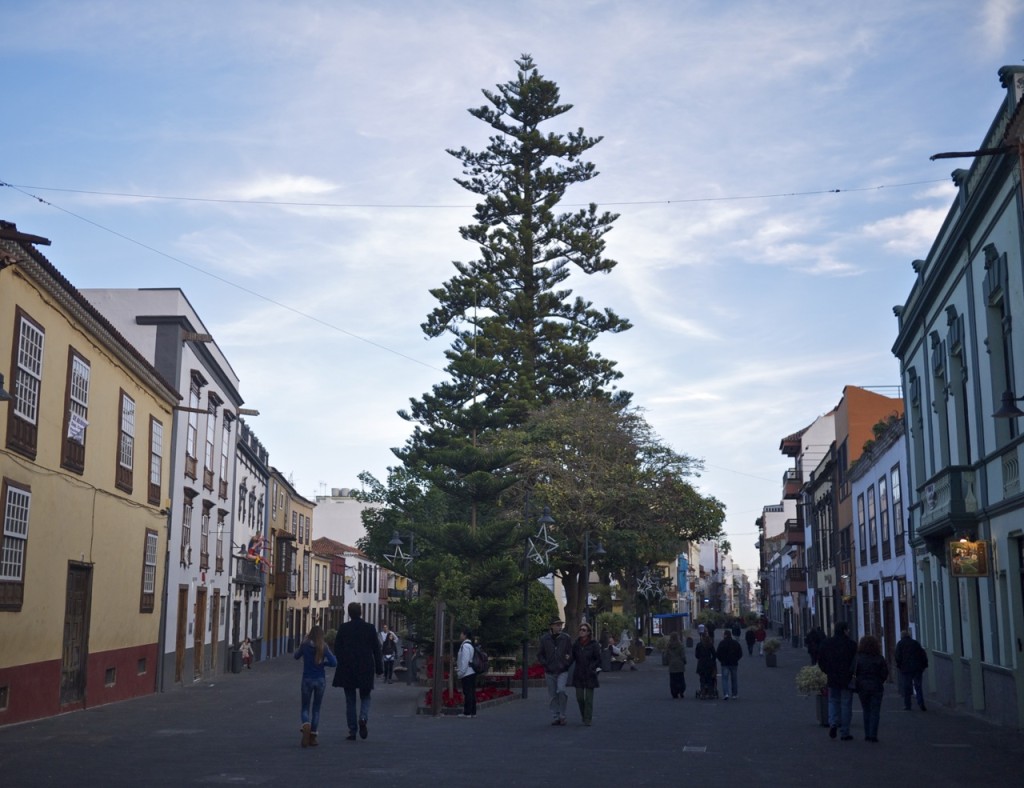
236	660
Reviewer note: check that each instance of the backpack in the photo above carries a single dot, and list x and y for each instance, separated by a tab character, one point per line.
480	661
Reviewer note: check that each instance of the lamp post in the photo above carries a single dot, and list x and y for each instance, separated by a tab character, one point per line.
397	540
598	550
530	551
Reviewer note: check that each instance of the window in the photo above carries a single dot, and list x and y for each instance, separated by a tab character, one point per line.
225	442
221	514
23	412
186	528
883	517
273	502
211	435
17	500
295	521
302	528
305	574
192	432
872	532
76	413
146	604
897	511
125	443
156	460
204	536
252	508
862	530
241	500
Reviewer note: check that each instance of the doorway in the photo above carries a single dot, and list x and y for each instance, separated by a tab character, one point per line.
198	634
75	651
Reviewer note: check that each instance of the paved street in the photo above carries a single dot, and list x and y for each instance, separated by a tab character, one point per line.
244	730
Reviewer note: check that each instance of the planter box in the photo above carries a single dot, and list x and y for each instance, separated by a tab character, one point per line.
771	660
451	711
821	707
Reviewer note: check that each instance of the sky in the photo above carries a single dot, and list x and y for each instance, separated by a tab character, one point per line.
285	165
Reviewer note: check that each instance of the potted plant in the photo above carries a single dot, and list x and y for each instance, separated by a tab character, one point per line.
771	647
811	680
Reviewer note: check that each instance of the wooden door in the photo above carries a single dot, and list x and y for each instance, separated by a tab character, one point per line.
75	651
181	634
214	628
198	634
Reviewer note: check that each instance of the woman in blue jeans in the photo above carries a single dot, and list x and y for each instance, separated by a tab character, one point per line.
315	656
870	674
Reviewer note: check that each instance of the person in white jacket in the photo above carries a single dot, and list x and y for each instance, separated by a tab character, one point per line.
467	676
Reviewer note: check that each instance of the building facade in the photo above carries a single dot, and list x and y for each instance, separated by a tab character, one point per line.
249	540
84	479
961	349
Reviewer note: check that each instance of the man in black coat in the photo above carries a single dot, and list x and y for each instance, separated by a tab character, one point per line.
357	648
836	661
911	660
729	655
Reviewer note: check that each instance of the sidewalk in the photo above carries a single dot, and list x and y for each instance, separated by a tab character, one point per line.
244	730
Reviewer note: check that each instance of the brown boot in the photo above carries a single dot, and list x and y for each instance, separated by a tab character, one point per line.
305	734
312	739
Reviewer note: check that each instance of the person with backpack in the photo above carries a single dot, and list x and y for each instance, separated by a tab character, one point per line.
467	676
555	655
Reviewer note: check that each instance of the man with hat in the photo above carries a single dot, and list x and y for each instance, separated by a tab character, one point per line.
555	654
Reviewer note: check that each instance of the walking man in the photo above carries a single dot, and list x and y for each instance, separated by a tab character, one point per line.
729	654
836	660
555	654
357	648
912	661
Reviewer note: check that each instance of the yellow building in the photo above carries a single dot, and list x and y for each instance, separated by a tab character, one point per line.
83	458
289	593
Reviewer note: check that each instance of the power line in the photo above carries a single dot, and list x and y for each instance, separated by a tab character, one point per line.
442	206
219	278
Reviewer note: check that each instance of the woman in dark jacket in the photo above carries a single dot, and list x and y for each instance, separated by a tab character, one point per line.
707	667
676	665
870	673
586	658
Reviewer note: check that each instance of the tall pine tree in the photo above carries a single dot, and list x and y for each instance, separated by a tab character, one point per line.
520	341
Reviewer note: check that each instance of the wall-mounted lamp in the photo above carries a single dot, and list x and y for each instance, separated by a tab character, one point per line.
964	535
4	396
1009	409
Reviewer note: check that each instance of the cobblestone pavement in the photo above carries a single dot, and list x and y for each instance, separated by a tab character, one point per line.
243	729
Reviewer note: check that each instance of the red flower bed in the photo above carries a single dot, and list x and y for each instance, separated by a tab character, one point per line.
535	671
451	700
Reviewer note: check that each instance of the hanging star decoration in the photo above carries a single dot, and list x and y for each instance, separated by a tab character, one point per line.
647	585
542	546
398	555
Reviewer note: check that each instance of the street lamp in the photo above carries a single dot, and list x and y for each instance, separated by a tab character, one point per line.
536	548
397	540
598	550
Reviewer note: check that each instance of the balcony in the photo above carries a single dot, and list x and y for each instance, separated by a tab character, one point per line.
948	500
796	580
791	484
248	574
794	532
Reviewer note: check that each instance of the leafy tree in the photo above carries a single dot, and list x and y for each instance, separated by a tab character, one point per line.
608	477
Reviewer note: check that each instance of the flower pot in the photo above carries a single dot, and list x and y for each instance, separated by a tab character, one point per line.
771	659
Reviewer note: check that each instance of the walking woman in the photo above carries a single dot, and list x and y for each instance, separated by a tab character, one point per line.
586	657
870	673
315	655
676	665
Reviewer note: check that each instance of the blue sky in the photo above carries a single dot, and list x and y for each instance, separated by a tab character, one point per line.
757	291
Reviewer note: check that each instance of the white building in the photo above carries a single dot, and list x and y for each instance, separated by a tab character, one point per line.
165	328
885	564
961	351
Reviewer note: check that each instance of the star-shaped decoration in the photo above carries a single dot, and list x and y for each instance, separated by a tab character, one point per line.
646	586
542	546
398	555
